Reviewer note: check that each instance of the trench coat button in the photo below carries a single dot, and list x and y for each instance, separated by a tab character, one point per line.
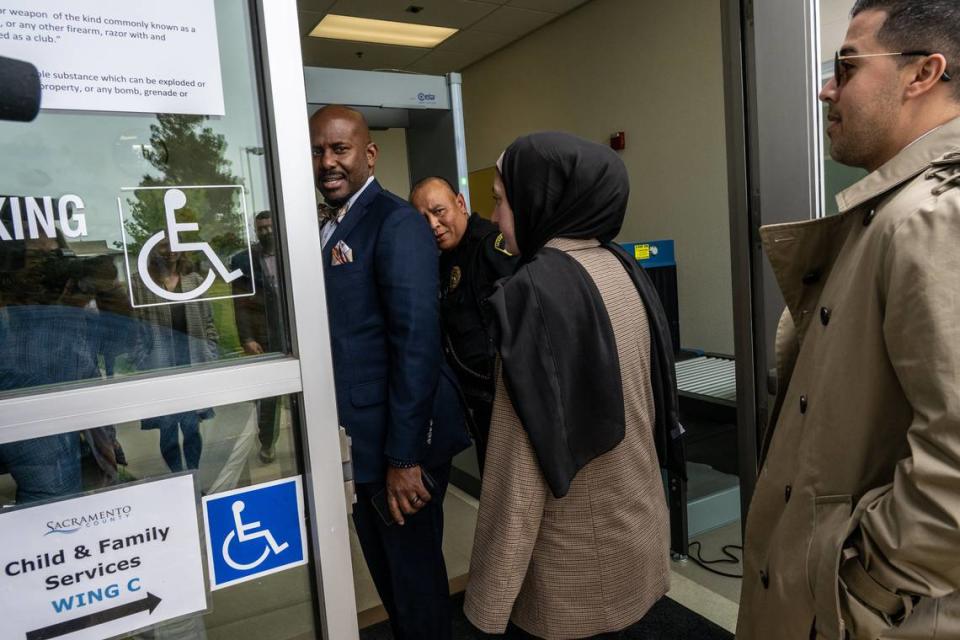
786	493
825	314
803	404
765	579
811	277
868	218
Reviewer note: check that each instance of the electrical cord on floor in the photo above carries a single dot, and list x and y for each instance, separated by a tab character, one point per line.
730	559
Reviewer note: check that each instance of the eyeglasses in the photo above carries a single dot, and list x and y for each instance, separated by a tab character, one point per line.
840	73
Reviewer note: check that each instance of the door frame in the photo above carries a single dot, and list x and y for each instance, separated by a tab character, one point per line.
775	170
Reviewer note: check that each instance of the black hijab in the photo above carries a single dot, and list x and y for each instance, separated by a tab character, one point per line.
555	338
561	186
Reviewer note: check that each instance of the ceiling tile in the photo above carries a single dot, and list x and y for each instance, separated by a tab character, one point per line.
476	42
322	52
458	14
550	6
511	21
316	6
485	27
441	62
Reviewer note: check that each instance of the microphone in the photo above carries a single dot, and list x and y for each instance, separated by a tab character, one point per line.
20	98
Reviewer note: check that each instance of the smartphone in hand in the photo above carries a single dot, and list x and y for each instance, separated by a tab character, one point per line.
379	499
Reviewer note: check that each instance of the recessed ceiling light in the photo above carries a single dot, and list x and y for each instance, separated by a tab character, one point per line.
380	31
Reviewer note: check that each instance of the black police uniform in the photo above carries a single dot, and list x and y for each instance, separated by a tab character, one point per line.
467	277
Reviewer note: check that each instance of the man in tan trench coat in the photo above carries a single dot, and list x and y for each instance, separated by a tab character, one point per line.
854	528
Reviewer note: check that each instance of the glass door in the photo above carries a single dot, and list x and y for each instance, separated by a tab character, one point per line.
161	316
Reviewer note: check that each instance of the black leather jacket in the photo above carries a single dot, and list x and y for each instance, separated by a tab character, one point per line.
467	276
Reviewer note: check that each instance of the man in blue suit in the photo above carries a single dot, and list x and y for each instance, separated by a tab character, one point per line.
395	397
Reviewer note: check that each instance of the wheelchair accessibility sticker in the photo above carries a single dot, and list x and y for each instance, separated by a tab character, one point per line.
254	531
198	233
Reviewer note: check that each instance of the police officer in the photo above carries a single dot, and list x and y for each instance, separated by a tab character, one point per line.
473	258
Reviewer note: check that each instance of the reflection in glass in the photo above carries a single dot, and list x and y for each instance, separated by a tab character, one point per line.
275	607
185	151
259	330
72	297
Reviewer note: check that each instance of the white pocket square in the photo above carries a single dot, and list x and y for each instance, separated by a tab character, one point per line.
341	254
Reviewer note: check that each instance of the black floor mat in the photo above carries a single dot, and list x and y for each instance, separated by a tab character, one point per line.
667	620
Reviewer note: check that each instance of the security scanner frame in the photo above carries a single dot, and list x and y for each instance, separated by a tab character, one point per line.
428	108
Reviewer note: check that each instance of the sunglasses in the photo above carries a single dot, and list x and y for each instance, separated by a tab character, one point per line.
840	73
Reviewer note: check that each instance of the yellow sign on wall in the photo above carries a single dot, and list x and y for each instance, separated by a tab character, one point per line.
481	191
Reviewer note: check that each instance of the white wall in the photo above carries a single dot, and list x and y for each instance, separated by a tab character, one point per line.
653	70
834	18
391	170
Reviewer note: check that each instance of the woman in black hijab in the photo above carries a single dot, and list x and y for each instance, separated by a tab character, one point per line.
572	534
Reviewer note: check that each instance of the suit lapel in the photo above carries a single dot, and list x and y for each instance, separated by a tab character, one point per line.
353	217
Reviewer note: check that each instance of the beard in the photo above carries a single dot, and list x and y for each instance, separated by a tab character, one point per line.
267	241
863	134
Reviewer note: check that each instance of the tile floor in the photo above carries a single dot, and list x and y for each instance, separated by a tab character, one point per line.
714	597
711	544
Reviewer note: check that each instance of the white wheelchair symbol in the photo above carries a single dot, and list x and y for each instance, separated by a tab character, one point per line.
242	535
172	200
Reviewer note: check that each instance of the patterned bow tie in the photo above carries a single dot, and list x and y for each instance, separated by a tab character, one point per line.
327	213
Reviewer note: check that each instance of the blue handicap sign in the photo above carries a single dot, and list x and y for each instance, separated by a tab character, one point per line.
254	531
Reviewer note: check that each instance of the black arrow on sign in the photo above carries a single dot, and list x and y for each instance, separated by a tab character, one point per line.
148	603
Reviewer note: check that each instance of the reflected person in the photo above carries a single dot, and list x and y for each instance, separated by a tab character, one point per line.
473	257
56	324
175	335
258	313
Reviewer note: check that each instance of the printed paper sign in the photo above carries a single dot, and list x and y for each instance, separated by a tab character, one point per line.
116	55
103	564
255	531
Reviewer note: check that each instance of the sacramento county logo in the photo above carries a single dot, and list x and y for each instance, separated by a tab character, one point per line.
73	524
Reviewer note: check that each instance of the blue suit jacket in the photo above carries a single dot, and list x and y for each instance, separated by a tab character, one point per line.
395	396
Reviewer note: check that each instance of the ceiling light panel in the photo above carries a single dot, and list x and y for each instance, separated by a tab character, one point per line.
459	14
404	34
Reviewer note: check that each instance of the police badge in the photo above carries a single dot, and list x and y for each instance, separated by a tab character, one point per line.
455	275
500	244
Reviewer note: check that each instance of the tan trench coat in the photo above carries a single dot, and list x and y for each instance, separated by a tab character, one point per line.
855	523
595	560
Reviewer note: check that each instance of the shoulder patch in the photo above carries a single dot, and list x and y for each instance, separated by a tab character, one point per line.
950	158
501	245
946	169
